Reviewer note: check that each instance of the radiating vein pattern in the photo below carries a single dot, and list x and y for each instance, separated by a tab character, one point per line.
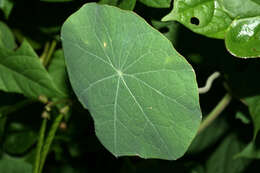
141	93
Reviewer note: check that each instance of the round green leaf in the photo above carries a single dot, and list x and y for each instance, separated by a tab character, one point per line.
243	38
142	94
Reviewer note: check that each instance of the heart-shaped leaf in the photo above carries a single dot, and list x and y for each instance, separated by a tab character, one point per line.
142	94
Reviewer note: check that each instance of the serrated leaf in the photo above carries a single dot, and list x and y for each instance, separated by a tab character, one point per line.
243	38
6	37
22	72
156	3
141	93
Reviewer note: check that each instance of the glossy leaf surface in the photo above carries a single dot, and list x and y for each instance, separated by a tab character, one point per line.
141	93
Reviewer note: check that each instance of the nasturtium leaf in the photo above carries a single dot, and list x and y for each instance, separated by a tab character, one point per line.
6	37
22	72
205	17
243	37
141	93
156	3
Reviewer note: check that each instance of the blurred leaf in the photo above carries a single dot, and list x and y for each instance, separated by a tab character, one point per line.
19	142
157	3
209	136
168	29
222	160
56	0
254	108
243	37
6	6
6	37
22	72
57	70
149	81
14	165
251	151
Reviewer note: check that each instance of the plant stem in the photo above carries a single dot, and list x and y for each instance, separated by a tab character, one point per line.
39	146
48	56
215	112
49	140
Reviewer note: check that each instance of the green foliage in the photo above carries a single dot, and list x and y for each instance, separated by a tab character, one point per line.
134	80
80	83
236	21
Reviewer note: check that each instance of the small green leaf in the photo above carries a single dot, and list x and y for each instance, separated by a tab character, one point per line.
22	72
254	109
123	4
222	160
6	37
243	38
171	30
6	6
142	94
14	165
57	70
156	3
19	142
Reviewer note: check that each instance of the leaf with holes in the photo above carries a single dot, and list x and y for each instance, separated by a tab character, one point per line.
141	93
211	17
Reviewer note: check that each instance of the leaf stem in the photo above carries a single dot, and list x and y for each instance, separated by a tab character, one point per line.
223	103
48	56
209	82
39	146
49	140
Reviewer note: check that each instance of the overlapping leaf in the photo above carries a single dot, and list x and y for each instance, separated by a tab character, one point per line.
141	93
22	72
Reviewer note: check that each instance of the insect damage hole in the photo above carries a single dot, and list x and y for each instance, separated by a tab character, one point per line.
194	21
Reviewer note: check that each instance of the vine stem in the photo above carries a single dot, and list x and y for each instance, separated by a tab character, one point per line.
48	55
49	139
39	146
223	103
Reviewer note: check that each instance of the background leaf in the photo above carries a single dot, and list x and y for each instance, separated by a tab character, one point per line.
6	37
156	3
152	108
14	165
22	72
